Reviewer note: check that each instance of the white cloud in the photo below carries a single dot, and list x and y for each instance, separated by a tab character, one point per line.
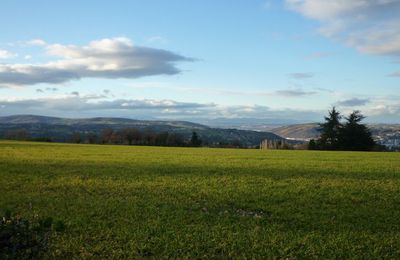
371	26
4	54
328	10
106	58
385	112
37	42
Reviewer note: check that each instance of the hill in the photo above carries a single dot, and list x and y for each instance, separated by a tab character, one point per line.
298	132
61	129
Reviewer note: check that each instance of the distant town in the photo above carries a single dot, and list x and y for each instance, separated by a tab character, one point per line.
390	140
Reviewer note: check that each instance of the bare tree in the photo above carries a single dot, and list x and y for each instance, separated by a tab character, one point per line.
175	140
76	138
149	138
91	138
18	134
131	135
106	135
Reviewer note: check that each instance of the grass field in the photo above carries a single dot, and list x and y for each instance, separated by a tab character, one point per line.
132	202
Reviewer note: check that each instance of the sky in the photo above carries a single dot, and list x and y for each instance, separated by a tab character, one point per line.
267	61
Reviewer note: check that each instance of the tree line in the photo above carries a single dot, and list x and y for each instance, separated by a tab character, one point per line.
125	136
134	136
347	135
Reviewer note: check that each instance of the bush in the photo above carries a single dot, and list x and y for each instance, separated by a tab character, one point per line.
26	239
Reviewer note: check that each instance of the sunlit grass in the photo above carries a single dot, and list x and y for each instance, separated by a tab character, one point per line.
124	202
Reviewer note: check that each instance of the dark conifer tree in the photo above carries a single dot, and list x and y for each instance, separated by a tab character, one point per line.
312	145
355	136
195	140
330	131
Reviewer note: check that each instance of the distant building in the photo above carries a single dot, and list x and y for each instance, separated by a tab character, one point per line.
274	144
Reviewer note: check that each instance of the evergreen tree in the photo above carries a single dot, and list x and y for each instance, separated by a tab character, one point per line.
312	145
330	131
355	136
195	140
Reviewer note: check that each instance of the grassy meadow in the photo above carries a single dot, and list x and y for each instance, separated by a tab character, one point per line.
134	202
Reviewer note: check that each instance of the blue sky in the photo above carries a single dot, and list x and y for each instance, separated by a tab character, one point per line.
198	60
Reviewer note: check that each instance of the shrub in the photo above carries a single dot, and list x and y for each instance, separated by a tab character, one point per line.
26	239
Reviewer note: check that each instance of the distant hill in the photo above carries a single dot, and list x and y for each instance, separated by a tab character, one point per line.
61	129
299	131
33	119
385	134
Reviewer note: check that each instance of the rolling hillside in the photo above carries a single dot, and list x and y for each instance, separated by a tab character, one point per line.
61	129
300	131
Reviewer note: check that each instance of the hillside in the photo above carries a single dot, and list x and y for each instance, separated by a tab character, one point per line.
299	131
61	129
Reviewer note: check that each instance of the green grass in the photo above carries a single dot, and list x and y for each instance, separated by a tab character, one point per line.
133	202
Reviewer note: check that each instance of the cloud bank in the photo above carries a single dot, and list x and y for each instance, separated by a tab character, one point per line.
99	105
74	103
106	58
